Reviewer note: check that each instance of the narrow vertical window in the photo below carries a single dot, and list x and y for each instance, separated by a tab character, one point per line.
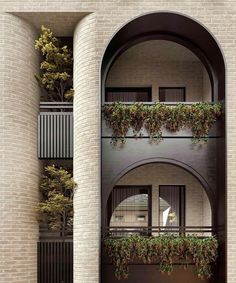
172	205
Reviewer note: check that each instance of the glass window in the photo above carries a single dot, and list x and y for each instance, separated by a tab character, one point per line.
171	206
128	94
171	94
130	206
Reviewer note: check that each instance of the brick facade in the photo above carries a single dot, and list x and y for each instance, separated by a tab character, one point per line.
19	164
19	106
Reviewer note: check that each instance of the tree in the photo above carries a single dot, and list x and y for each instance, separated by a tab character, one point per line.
56	207
56	68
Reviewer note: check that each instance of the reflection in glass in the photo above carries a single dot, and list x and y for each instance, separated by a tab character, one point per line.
129	207
171	200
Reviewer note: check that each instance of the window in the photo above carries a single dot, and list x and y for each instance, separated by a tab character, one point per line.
130	206
172	205
118	218
128	94
171	94
141	218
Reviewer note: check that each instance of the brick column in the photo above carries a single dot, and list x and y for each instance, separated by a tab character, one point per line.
19	165
86	153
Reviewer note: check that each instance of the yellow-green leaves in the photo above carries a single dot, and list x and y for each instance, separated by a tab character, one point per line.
198	117
164	251
56	68
56	207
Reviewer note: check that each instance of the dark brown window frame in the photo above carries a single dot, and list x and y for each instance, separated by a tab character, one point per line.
138	187
172	87
129	89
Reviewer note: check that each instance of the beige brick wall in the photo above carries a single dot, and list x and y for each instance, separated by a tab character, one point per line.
218	16
198	211
86	154
161	64
19	165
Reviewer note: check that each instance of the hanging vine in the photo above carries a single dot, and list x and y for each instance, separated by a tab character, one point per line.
118	118
199	118
155	119
164	251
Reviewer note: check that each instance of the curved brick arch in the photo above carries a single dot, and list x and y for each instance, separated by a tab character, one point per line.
172	27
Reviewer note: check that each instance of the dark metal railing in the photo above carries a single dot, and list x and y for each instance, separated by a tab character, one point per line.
49	106
118	231
55	262
55	130
153	102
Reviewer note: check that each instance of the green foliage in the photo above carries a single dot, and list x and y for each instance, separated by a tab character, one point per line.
56	68
201	117
164	251
155	118
198	117
118	119
56	207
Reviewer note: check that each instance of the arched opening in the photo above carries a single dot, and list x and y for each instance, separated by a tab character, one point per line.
159	195
172	27
158	70
132	70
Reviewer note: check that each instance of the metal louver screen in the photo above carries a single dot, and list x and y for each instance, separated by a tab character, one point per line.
55	135
55	262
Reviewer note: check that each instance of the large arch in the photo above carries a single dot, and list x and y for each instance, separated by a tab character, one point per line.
185	167
172	27
210	193
194	36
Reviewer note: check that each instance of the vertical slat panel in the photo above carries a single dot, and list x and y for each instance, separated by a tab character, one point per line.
55	132
58	135
55	262
71	136
61	136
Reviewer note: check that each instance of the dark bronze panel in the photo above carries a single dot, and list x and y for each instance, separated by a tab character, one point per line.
151	274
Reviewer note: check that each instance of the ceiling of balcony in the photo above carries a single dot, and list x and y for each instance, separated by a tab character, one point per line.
161	51
61	23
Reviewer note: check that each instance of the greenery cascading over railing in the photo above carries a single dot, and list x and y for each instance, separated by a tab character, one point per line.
165	251
198	117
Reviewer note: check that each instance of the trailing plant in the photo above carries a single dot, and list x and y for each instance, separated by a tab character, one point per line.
138	114
56	207
164	251
201	117
198	117
118	118
155	119
56	68
176	117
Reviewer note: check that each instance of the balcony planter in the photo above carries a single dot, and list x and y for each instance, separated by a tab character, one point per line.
152	119
164	251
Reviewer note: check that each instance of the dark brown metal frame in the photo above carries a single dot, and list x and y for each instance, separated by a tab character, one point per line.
138	187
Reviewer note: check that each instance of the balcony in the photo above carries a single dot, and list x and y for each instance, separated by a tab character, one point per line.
143	257
55	130
184	132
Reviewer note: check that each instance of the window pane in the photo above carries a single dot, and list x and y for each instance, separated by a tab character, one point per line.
128	94
169	203
129	206
171	94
